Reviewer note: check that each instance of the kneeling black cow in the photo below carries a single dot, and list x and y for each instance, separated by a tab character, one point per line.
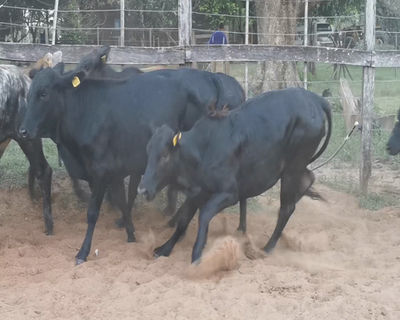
231	156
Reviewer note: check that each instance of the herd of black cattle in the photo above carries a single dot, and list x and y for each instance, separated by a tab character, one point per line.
189	130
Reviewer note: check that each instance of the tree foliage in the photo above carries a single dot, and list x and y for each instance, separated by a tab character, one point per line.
17	24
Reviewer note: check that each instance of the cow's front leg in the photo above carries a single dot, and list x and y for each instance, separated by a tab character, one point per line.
96	199
215	204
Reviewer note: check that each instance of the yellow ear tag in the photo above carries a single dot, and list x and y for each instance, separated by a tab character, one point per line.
177	137
104	59
75	82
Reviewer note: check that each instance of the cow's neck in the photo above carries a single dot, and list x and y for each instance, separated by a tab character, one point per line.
75	120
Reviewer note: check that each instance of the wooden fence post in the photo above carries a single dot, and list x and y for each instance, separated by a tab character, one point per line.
122	22
194	64
246	42
150	37
53	40
185	25
367	98
305	41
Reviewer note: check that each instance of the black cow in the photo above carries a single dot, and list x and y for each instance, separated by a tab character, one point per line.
94	66
200	85
106	125
393	145
14	87
229	157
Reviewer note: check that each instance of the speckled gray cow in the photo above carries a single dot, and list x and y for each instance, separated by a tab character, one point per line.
14	87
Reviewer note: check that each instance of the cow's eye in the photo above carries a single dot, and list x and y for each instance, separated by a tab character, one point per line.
86	68
43	94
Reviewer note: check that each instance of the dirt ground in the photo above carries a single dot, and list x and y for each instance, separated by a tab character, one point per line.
335	261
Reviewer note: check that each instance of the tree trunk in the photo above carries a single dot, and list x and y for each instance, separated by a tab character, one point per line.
273	75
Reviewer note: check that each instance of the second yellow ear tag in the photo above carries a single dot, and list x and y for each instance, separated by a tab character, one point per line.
104	59
177	137
75	82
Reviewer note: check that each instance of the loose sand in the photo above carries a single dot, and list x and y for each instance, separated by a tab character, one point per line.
335	261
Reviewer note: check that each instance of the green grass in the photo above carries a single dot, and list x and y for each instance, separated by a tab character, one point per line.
372	201
14	165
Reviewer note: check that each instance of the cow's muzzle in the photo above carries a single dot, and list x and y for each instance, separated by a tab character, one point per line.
23	133
143	191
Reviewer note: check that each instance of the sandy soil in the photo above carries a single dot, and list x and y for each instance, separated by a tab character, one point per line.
335	261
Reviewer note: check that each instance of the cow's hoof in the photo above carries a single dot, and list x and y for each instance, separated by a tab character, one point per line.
160	252
268	249
197	262
119	223
131	238
242	230
79	261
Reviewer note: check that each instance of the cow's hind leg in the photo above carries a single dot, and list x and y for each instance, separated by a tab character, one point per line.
79	192
172	198
289	192
43	172
31	183
243	214
175	219
110	197
3	146
132	194
305	187
118	189
186	212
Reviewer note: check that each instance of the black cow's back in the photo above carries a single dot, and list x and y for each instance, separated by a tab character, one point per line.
250	147
111	122
204	89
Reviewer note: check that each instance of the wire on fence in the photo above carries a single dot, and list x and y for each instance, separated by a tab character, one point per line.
276	18
89	10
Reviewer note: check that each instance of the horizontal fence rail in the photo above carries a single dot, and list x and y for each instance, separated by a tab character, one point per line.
203	53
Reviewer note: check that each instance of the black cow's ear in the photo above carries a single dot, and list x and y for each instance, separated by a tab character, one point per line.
72	79
103	53
59	68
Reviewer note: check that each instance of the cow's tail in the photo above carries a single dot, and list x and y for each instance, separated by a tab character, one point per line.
327	110
221	100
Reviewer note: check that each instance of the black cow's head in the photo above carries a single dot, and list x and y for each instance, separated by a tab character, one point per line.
162	163
393	145
45	100
94	61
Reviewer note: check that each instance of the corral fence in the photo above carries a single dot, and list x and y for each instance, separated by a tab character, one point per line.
179	37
